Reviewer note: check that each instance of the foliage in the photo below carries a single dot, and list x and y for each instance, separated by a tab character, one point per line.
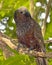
19	59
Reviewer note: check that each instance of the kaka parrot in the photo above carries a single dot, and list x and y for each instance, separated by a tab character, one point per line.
29	32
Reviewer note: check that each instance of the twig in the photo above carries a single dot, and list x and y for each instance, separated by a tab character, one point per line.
48	41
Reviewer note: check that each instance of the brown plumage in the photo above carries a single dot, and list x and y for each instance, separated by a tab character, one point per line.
29	32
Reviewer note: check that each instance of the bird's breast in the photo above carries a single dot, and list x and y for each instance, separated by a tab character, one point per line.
23	28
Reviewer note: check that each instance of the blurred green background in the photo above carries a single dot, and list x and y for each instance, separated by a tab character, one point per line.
8	27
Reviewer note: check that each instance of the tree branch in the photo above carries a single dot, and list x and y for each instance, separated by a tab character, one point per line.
23	50
6	52
32	8
47	13
1	4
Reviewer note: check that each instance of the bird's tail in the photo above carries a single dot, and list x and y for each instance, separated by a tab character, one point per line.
41	61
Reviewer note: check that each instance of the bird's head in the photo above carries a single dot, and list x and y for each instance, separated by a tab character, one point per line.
21	14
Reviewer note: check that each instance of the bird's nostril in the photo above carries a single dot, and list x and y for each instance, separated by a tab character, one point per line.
21	12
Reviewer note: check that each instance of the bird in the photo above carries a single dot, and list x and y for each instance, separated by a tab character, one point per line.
29	32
